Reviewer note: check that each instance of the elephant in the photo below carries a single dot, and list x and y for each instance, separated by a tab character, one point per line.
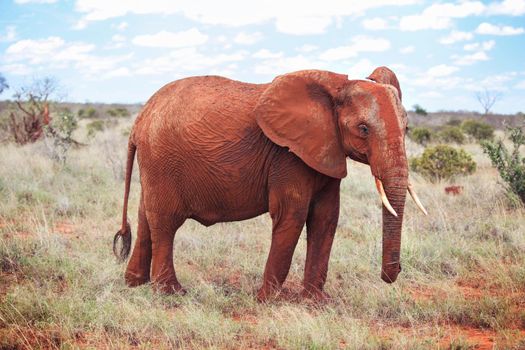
219	150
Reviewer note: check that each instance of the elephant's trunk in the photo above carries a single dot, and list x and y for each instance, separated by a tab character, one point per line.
395	189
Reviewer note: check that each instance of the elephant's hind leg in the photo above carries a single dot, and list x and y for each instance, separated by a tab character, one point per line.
163	228
138	269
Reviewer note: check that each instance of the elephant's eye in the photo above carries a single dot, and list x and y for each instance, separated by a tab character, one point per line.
363	129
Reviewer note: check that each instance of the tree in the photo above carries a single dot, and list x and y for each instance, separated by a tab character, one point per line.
419	110
31	112
487	99
3	84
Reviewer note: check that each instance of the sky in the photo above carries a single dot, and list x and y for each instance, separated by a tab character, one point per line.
123	51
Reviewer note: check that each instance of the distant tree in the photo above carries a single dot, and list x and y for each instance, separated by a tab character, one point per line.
3	84
487	99
419	110
31	110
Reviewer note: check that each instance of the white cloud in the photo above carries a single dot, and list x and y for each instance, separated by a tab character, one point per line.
456	36
431	94
376	23
407	49
79	25
276	66
264	54
247	38
439	16
497	82
491	29
10	34
122	26
485	46
291	17
467	60
441	70
360	69
507	7
45	50
21	2
27	56
359	44
16	69
303	25
181	61
118	38
119	72
187	38
306	48
520	85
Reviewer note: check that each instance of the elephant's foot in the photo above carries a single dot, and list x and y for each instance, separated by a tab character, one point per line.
135	279
316	295
169	288
265	294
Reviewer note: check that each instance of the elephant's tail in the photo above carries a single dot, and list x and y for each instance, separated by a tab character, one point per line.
125	231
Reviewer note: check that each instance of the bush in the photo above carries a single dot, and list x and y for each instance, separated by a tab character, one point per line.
94	127
119	112
452	134
510	165
454	122
478	130
419	110
443	162
59	134
421	135
88	113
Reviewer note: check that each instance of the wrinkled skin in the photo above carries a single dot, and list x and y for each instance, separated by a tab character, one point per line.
216	150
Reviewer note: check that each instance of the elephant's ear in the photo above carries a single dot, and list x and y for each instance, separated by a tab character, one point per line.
384	75
297	111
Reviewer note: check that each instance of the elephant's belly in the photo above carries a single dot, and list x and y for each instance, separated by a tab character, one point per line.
211	217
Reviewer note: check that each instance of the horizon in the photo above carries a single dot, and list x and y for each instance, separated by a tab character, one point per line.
106	52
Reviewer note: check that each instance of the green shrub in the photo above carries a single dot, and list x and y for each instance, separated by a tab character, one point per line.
94	127
443	162
419	110
478	130
420	135
119	112
452	134
510	164
59	133
88	113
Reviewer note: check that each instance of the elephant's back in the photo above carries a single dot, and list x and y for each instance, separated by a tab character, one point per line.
193	100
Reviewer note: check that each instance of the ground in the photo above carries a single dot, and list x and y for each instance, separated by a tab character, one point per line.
462	284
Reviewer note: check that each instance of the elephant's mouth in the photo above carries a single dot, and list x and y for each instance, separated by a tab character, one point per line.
358	157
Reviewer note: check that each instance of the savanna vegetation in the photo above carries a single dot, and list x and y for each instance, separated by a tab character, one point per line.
462	284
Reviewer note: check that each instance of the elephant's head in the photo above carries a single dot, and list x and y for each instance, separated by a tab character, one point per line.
323	118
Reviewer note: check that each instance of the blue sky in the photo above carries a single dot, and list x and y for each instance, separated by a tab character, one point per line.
123	51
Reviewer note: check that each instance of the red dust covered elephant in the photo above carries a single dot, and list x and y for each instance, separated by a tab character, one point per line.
217	150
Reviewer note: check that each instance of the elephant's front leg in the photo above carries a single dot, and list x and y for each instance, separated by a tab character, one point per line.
288	216
321	225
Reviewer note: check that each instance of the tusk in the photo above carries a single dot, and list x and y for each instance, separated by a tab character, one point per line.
414	196
384	199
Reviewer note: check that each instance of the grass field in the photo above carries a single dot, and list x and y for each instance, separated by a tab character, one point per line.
462	285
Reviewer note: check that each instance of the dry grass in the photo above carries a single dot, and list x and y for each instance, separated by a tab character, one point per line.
462	284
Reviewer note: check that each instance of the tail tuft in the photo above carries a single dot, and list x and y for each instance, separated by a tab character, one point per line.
122	252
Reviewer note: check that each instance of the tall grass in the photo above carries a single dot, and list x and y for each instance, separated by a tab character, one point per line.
463	266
